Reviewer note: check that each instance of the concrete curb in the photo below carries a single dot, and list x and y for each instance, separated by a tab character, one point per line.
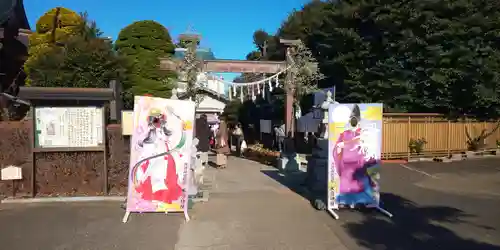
454	158
63	199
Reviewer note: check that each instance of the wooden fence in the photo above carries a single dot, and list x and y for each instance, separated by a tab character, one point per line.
443	137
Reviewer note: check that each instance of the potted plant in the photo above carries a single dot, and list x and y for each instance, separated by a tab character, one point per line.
416	146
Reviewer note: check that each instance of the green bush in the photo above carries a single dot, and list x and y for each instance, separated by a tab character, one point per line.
142	43
63	53
416	146
79	63
55	27
58	18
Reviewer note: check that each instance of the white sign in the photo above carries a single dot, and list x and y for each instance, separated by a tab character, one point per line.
12	173
69	127
265	126
127	122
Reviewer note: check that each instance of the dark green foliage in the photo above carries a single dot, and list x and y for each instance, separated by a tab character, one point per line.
479	142
54	28
416	146
260	39
231	112
277	106
81	60
254	56
79	63
249	113
414	56
187	39
143	43
88	28
144	36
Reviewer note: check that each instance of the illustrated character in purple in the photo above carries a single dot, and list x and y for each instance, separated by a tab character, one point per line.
348	157
351	162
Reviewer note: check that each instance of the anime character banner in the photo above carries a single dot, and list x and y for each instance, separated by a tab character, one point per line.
355	143
160	155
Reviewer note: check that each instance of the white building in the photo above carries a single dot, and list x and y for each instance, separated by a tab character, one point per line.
212	88
214	96
210	82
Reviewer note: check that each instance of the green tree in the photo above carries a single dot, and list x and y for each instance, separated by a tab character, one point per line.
431	56
145	36
254	56
70	53
190	69
52	29
362	55
231	112
187	39
423	56
88	28
304	70
261	39
143	43
79	63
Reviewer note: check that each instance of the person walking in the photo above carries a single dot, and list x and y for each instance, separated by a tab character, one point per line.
203	132
280	136
221	147
238	135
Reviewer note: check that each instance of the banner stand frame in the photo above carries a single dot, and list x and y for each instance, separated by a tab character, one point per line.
185	190
332	212
383	211
127	215
332	204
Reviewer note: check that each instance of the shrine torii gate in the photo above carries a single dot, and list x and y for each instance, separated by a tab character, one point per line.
231	66
243	66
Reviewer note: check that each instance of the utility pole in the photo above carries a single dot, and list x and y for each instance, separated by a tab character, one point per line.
264	50
289	88
263	56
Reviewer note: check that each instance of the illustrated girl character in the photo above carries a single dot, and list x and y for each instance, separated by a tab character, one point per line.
157	177
347	156
350	159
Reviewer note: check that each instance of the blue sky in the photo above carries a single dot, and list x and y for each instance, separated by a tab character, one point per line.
226	26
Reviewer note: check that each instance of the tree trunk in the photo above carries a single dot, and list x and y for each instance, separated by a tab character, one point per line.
479	140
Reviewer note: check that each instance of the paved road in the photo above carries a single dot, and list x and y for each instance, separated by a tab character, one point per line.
84	226
435	206
248	210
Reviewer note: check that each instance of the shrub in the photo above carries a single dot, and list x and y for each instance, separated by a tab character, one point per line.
66	51
54	27
142	43
416	146
79	63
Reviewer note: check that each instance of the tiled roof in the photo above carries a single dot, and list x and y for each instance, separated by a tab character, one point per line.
13	8
203	54
208	91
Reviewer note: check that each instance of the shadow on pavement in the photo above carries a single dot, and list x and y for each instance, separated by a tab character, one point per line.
84	225
296	181
212	164
412	227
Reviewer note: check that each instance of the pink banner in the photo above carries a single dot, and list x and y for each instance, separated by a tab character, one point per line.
160	155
